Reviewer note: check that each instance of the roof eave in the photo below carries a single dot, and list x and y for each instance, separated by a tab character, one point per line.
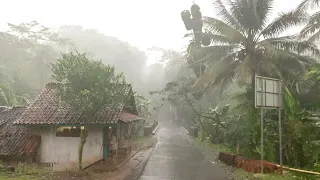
49	125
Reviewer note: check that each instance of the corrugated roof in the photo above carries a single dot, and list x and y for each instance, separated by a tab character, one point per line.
15	140
46	110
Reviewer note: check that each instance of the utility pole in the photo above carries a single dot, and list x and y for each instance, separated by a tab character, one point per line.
261	118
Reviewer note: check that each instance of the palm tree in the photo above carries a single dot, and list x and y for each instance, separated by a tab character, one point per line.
243	44
312	30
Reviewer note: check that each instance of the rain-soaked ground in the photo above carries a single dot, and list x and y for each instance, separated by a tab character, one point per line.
175	158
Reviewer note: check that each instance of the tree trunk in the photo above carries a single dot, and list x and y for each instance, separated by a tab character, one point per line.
202	131
83	139
238	146
253	79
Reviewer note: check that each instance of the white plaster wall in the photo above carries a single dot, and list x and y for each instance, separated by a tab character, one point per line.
62	152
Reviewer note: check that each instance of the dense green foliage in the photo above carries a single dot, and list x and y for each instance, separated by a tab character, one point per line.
126	59
28	49
210	84
87	84
145	109
243	42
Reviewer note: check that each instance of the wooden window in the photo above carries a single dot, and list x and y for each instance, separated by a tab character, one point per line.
68	131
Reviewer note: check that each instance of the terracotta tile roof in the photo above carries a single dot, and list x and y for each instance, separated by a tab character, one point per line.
9	113
126	116
2	108
46	110
15	140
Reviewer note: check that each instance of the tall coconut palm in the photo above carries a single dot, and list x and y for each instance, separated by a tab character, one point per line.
312	30
243	43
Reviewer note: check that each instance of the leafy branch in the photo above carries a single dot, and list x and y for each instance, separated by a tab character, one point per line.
179	91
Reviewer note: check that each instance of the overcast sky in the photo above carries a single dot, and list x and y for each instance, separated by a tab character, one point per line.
142	23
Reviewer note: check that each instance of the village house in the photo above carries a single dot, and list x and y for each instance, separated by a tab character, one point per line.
16	143
59	128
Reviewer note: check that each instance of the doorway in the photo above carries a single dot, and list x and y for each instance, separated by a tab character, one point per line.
105	142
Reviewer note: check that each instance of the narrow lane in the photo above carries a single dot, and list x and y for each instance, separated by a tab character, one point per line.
175	158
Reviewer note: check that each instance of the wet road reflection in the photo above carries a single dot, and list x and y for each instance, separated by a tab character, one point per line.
174	158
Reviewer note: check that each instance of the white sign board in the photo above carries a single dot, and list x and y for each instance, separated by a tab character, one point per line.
271	91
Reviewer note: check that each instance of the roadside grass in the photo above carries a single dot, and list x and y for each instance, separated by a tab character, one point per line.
243	175
217	147
29	172
145	142
24	171
13	176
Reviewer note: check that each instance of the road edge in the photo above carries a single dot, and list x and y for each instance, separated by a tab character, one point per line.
144	164
124	162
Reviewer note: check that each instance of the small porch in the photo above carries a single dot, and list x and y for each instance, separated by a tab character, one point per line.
123	131
139	144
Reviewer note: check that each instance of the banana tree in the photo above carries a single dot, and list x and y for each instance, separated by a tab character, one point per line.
314	72
143	105
216	125
9	98
299	132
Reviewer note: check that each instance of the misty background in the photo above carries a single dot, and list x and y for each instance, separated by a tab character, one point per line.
142	23
120	33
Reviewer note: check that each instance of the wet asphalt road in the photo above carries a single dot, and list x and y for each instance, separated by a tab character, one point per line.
174	158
